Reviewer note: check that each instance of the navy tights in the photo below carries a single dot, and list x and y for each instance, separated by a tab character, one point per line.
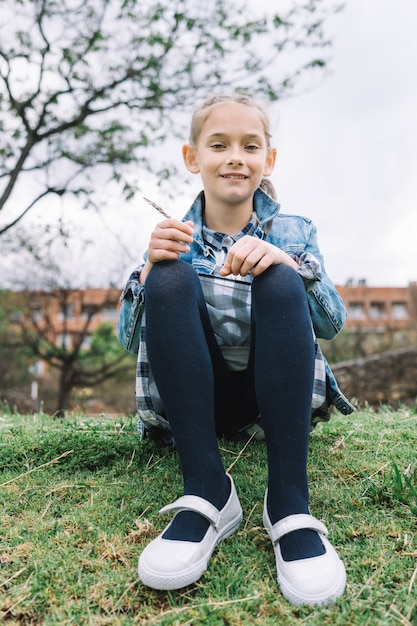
189	371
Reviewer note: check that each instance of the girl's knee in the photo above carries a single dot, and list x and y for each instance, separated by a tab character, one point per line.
279	276
279	283
170	277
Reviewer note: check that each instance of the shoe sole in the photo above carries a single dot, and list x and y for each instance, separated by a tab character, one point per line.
193	573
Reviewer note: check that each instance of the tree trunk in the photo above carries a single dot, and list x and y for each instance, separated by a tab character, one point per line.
64	392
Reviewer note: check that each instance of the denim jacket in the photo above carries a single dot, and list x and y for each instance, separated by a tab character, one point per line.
295	235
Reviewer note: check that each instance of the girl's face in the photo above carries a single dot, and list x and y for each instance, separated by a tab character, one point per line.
231	154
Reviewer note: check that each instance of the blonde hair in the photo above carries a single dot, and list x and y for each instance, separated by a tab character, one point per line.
203	111
268	188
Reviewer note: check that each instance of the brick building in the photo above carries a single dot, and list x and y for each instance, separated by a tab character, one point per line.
67	312
380	308
63	315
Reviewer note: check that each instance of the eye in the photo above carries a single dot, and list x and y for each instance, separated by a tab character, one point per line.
217	146
252	147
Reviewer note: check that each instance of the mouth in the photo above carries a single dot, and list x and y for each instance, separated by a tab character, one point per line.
234	176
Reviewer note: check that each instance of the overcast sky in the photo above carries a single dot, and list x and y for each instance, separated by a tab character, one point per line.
348	150
347	154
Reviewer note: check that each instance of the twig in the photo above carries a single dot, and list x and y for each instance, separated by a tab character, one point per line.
401	619
131	459
228	451
149	466
12	608
211	604
158	208
370	579
15	575
91	486
379	469
46	508
128	588
255	506
144	511
413	577
240	453
35	469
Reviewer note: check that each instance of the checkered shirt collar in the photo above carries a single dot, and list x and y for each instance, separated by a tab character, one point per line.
217	240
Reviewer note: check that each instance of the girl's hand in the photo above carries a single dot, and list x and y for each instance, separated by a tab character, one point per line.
169	239
252	255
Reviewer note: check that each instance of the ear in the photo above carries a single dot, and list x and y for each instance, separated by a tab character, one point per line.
190	158
270	161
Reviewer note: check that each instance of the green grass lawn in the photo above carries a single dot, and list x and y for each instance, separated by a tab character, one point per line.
80	497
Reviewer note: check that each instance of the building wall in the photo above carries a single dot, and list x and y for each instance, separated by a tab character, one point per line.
380	308
65	313
369	308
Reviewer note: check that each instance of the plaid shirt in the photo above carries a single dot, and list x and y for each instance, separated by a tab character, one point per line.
229	299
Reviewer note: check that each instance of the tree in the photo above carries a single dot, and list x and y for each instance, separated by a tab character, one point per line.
46	319
59	328
14	359
88	88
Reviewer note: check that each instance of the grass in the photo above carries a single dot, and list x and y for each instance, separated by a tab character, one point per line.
80	497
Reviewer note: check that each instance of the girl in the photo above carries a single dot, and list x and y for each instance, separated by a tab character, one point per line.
231	299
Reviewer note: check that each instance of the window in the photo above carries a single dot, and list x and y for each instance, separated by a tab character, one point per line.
37	314
110	313
37	369
356	310
377	310
86	342
67	310
64	341
89	311
399	310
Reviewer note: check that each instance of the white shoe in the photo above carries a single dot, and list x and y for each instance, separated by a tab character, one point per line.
316	580
172	564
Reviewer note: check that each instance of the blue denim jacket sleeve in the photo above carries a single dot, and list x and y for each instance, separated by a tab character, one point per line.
130	314
328	311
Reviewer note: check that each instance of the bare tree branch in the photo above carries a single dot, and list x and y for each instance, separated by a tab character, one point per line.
95	85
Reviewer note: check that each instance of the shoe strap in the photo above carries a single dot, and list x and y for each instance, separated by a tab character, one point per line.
299	521
196	504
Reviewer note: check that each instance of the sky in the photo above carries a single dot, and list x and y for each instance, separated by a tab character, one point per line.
347	151
347	155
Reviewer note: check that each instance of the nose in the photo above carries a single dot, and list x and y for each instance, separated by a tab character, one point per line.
235	157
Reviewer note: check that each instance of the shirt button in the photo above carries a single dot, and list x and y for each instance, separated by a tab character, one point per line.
227	241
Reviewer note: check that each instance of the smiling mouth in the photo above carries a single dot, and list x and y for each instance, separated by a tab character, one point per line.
234	176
